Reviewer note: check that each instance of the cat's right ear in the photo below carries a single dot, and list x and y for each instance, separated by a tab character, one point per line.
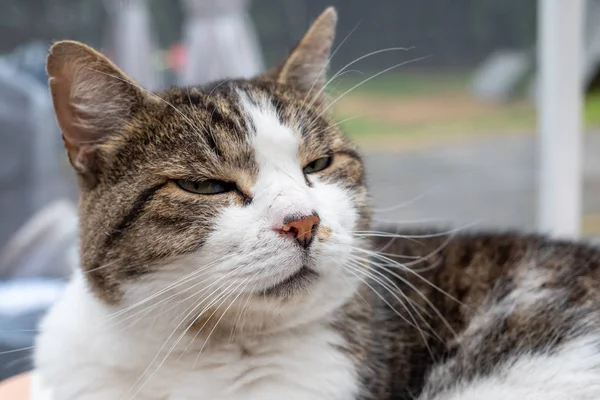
306	66
92	99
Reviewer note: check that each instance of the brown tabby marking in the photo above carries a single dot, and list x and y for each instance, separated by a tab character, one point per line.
507	295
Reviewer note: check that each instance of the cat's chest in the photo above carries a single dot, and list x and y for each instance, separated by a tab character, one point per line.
298	367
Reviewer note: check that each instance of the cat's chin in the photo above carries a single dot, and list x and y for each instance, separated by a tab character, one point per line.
298	282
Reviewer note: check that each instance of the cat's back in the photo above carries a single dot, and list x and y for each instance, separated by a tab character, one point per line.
501	315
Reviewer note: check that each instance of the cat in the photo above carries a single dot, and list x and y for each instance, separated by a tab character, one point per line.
227	253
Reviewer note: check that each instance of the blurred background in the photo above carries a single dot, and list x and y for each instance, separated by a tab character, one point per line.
440	96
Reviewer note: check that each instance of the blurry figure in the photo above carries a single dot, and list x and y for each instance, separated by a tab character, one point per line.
32	163
34	266
220	40
132	45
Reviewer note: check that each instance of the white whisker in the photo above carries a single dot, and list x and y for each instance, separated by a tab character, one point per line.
332	103
324	68
220	318
413	287
353	269
415	325
181	281
406	298
341	70
16	350
183	320
195	294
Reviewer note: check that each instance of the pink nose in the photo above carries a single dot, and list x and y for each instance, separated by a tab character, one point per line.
301	229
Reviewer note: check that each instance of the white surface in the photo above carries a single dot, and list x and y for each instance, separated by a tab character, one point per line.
221	42
23	295
560	116
133	42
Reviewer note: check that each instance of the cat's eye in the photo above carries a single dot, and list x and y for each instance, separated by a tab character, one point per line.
205	187
318	165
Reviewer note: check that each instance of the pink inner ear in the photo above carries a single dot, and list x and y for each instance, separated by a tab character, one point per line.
74	135
92	98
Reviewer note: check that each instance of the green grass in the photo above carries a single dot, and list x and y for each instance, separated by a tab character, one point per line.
358	128
592	110
511	119
513	116
401	84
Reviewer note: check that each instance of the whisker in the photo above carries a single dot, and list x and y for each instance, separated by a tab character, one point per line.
414	325
417	236
413	287
403	267
179	293
418	259
352	269
409	301
183	320
195	294
109	264
408	202
239	315
332	103
220	318
16	350
354	62
194	274
412	237
419	221
389	243
324	68
220	298
367	267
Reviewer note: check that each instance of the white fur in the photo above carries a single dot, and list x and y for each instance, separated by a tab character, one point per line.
90	351
571	373
85	359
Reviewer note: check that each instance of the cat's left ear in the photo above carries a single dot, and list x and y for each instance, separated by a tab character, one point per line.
306	66
93	100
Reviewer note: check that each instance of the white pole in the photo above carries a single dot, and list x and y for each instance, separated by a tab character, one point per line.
560	98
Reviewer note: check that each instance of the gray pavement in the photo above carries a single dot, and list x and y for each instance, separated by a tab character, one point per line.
489	181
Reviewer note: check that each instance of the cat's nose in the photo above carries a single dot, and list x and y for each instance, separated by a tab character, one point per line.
301	228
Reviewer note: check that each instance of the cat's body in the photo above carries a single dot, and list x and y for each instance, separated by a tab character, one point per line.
524	310
522	318
227	254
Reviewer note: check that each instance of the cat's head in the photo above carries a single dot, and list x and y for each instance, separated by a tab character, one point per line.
238	192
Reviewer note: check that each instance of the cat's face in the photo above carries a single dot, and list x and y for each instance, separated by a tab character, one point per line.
238	194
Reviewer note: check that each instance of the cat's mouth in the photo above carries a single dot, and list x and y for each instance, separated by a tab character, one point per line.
299	281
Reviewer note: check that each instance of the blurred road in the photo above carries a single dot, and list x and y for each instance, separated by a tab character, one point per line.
490	181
